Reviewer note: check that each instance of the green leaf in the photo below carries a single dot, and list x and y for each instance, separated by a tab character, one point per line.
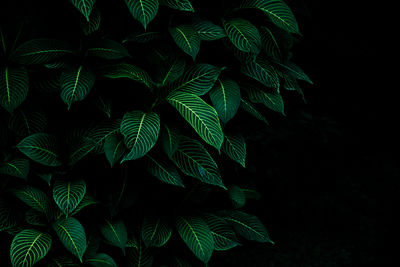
62	261
263	72
140	256
40	51
7	219
42	148
225	97
140	131
271	100
222	232
247	225
182	5
72	235
101	260
68	194
143	10
197	235
143	37
155	232
28	247
234	146
243	35
279	13
86	201
178	262
107	49
237	196
84	6
125	70
246	106
76	83
294	71
201	116
187	39
170	137
115	233
16	167
208	31
14	86
114	148
93	25
170	70
270	44
197	80
34	198
163	171
35	217
25	122
194	160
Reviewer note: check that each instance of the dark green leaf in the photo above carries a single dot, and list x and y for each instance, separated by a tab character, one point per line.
114	148
186	37
222	232
164	171
68	195
34	198
107	49
170	137
84	6
14	85
115	233
16	167
25	122
246	106
143	10
263	72
101	260
183	5
271	100
234	146
155	232
243	35
208	31
237	196
125	70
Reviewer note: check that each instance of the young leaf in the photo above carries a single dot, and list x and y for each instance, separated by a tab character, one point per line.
263	72
34	198
182	5
68	195
40	51
194	160
237	196
243	35
115	233
143	10
140	131
246	106
28	247
72	235
208	31
279	13
101	260
155	232
42	148
14	85
197	235
165	172
16	167
222	232
225	97
114	148
247	225
125	70
186	37
201	116
234	146
84	6
107	49
76	83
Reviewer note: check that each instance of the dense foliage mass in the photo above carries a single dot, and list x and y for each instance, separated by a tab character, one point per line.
119	119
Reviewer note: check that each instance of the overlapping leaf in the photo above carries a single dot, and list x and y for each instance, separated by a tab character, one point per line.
272	100
17	167
201	116
76	83
142	37
115	232
14	86
170	70
7	218
35	217
143	10
197	235
68	194
223	234
72	235
246	106
234	146
25	122
140	131
28	247
294	71
164	171
86	201
125	70
107	49
114	148
187	39
140	256
91	26
34	198
170	137
84	6
42	148
225	97
243	35
194	160
270	44
208	31
183	5
237	196
155	232
101	260
263	72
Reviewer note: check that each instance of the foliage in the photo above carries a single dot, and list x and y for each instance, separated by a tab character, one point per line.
117	129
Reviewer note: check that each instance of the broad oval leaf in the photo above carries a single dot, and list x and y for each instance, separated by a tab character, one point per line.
25	122
197	235
155	232
40	51
140	256
165	172
115	233
17	167
234	146
225	97
143	10
114	148
72	235
42	148
28	247
140	131
84	6
200	115
7	218
182	5
125	70
91	26
186	37
35	217
101	260
223	234
34	198
170	70
193	159
277	10
237	196
76	83
270	44
243	35
198	79
107	49
263	72
247	225
14	85
68	194
208	31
